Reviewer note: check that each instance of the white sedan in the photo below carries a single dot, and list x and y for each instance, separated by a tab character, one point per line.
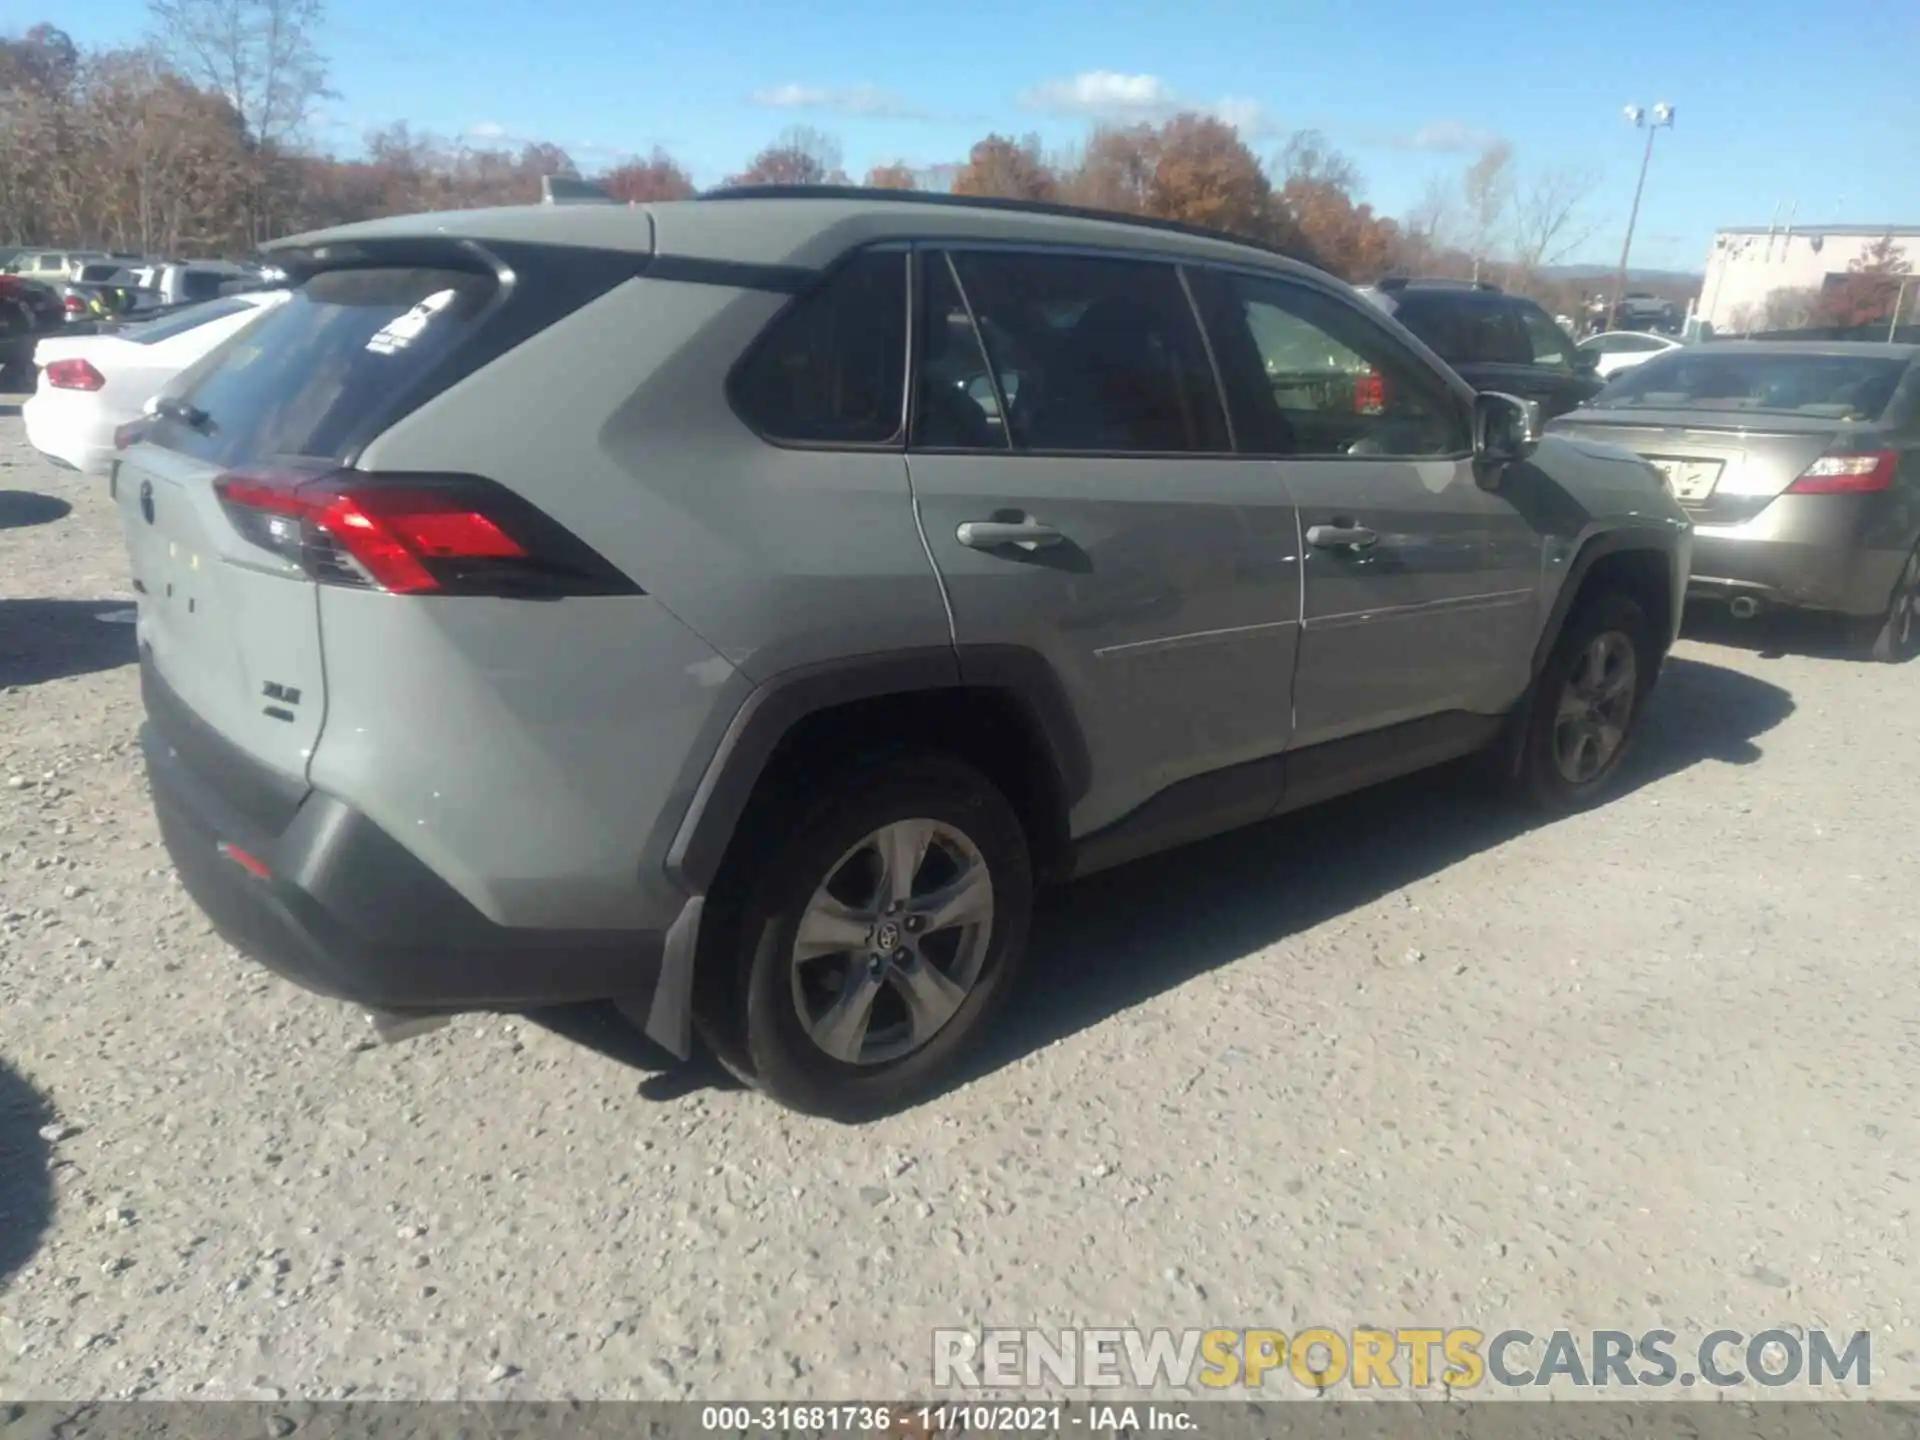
90	385
1616	350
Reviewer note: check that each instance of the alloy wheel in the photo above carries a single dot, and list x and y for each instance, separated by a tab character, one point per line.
892	942
1596	705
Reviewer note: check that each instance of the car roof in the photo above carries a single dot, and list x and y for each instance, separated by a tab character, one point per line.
791	228
1878	348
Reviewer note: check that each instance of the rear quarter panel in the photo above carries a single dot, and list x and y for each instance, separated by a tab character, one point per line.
539	755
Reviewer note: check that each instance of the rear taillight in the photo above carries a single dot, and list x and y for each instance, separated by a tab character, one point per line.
75	305
1847	474
414	534
1370	394
74	375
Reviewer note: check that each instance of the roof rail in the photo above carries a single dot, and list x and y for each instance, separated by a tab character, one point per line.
571	190
995	202
1401	282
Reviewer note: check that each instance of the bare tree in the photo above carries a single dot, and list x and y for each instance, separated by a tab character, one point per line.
1310	158
1549	222
1786	308
263	55
1487	191
800	155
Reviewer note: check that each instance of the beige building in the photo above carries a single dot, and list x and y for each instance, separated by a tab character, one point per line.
1745	266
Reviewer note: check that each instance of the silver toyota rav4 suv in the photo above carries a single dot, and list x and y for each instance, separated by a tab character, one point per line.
735	608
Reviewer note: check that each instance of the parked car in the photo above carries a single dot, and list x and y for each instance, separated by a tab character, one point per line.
1800	465
574	602
51	265
89	386
1617	350
1496	341
28	311
177	283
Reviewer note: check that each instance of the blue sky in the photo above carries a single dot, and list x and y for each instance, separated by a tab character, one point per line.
1777	100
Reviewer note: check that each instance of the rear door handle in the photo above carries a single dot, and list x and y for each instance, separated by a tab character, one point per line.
1342	537
991	534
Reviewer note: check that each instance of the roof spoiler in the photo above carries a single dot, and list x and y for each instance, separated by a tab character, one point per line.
571	190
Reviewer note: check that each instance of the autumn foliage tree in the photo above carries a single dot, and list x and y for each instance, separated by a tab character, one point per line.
1006	169
894	176
658	177
1869	290
800	156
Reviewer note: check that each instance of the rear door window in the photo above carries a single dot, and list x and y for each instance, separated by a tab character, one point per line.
1094	354
832	368
1547	344
323	367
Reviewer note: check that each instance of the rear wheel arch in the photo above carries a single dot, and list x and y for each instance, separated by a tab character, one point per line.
999	708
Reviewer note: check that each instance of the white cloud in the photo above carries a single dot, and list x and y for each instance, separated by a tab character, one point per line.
863	100
1104	94
1108	95
1446	137
487	130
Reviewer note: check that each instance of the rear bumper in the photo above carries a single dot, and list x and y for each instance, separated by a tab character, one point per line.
1817	552
342	908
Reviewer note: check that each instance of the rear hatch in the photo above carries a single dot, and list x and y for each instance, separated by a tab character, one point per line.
229	618
1721	473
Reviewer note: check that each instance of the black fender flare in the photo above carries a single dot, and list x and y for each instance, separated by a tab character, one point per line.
770	712
1654	539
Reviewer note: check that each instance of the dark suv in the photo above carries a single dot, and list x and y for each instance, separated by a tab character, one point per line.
1494	340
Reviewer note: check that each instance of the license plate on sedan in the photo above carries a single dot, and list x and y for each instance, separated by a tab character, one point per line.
1690	481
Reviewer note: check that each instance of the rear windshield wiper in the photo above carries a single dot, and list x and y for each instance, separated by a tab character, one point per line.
192	416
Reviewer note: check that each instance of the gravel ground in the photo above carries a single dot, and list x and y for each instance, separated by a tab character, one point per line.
1398	1061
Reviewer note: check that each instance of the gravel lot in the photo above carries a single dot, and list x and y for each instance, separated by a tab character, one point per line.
1398	1061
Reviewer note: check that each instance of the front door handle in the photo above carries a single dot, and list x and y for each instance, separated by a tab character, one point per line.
1342	537
991	534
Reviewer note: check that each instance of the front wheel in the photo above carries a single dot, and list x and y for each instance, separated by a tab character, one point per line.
1587	705
877	938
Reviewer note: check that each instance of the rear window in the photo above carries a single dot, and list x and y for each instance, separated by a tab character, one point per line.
1840	387
203	284
323	366
192	317
1465	329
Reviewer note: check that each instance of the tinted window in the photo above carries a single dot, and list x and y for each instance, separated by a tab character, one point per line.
304	381
152	332
1307	375
1094	354
956	406
202	284
831	369
1547	343
1465	329
1844	387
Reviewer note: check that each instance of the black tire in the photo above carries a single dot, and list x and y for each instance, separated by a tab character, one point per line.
1541	775
1895	639
748	1009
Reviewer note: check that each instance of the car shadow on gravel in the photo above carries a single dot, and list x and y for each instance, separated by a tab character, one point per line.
1107	943
1777	634
22	508
43	640
26	1171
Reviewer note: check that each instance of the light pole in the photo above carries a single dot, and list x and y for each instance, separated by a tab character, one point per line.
1653	122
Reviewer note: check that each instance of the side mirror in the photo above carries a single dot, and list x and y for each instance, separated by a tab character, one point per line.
1505	427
